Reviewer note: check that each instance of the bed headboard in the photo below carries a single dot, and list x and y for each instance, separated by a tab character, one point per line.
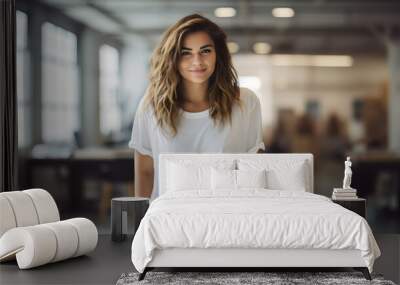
272	159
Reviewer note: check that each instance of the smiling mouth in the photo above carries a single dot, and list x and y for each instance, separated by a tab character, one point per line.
198	70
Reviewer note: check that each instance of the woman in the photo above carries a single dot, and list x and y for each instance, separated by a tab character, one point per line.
193	103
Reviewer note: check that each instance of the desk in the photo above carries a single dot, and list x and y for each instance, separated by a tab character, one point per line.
107	169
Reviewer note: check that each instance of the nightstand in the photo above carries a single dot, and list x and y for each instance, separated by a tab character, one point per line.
126	214
357	205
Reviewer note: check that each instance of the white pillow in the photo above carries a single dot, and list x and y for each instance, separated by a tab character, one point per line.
187	175
223	179
237	179
294	180
251	178
281	174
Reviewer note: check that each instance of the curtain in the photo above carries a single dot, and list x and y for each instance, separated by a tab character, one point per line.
8	98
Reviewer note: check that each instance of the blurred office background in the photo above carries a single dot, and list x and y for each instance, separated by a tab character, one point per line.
327	74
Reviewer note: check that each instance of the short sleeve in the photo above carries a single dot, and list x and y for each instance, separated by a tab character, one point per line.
140	138
255	136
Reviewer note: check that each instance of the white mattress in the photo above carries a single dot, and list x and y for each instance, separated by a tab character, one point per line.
251	218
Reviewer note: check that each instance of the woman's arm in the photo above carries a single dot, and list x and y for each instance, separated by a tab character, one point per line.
144	175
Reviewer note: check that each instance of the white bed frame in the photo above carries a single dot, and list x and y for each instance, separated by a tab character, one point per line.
249	257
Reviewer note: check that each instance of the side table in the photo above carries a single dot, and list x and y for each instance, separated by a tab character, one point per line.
126	214
357	205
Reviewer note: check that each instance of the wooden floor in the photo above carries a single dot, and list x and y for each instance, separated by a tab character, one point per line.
110	259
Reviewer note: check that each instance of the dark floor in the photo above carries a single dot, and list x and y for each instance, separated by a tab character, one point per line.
103	266
111	259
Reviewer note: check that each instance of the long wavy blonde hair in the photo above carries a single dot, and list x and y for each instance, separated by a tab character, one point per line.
164	94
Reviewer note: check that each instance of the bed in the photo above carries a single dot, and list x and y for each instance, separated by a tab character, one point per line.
247	210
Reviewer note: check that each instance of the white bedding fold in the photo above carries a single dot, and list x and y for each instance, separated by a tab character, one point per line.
251	218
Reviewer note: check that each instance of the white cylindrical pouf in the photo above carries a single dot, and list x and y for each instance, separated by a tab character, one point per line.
67	239
45	205
87	234
23	207
34	246
7	218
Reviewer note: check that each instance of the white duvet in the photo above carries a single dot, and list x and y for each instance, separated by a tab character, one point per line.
251	218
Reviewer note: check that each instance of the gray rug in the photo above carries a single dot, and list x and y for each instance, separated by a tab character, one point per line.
230	278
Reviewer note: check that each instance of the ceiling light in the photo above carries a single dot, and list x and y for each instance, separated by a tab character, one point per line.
261	48
312	60
225	12
333	60
233	47
283	12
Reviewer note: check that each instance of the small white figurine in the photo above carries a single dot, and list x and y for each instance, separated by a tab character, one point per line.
347	174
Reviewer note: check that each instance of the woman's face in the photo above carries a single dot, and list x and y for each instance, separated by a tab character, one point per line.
197	58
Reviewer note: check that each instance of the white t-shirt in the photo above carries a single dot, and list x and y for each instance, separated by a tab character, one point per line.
197	132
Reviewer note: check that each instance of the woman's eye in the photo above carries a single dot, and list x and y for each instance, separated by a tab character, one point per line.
206	51
183	53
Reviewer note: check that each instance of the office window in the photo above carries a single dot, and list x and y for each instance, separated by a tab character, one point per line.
110	115
23	90
60	94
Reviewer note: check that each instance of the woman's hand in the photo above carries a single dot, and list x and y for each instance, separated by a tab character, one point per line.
144	175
